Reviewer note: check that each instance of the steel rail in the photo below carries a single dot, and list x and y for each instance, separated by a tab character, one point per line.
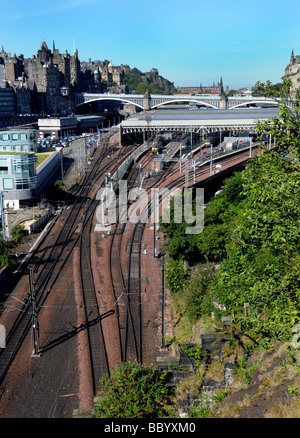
20	329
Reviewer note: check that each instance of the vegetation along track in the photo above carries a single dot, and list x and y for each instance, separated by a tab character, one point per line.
55	256
126	282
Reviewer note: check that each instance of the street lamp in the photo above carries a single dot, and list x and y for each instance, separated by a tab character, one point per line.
3	218
148	120
211	165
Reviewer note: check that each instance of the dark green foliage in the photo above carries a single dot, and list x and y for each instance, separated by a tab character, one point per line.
176	275
5	256
137	85
219	216
273	89
253	228
197	297
212	242
262	265
180	246
285	127
17	232
134	391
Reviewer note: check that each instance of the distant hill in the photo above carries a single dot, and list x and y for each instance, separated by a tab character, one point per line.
138	82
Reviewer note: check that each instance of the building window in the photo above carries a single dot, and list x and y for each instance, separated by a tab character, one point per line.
7	183
18	169
3	166
15	136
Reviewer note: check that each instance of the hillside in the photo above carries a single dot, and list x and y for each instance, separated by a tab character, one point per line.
270	390
235	287
239	318
138	82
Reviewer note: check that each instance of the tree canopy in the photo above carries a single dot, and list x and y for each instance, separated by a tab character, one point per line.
252	227
134	391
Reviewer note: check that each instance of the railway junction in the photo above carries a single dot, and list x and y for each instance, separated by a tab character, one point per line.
89	296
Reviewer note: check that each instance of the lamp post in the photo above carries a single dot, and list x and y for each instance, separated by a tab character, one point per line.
180	164
35	324
211	154
3	218
148	120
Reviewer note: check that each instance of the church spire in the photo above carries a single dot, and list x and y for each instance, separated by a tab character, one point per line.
221	85
292	57
53	46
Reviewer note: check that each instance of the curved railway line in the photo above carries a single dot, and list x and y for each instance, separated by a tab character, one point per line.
54	257
126	280
124	265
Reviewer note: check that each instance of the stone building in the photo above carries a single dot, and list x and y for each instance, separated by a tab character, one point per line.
75	73
12	66
292	72
13	83
214	90
7	100
90	77
49	78
23	95
97	76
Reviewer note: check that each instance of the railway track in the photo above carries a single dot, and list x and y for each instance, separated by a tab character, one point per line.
133	346
126	280
97	349
55	256
125	274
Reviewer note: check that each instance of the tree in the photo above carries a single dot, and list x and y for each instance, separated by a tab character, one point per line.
262	264
197	294
260	89
134	391
17	232
176	275
286	127
253	227
5	257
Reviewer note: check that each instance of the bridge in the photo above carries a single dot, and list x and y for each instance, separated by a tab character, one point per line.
147	102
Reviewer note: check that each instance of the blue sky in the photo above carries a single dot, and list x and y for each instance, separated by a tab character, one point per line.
189	42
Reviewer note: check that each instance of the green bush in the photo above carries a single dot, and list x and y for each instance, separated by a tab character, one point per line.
176	275
5	257
134	391
197	295
17	232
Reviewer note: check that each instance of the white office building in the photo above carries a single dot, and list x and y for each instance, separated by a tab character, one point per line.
18	178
